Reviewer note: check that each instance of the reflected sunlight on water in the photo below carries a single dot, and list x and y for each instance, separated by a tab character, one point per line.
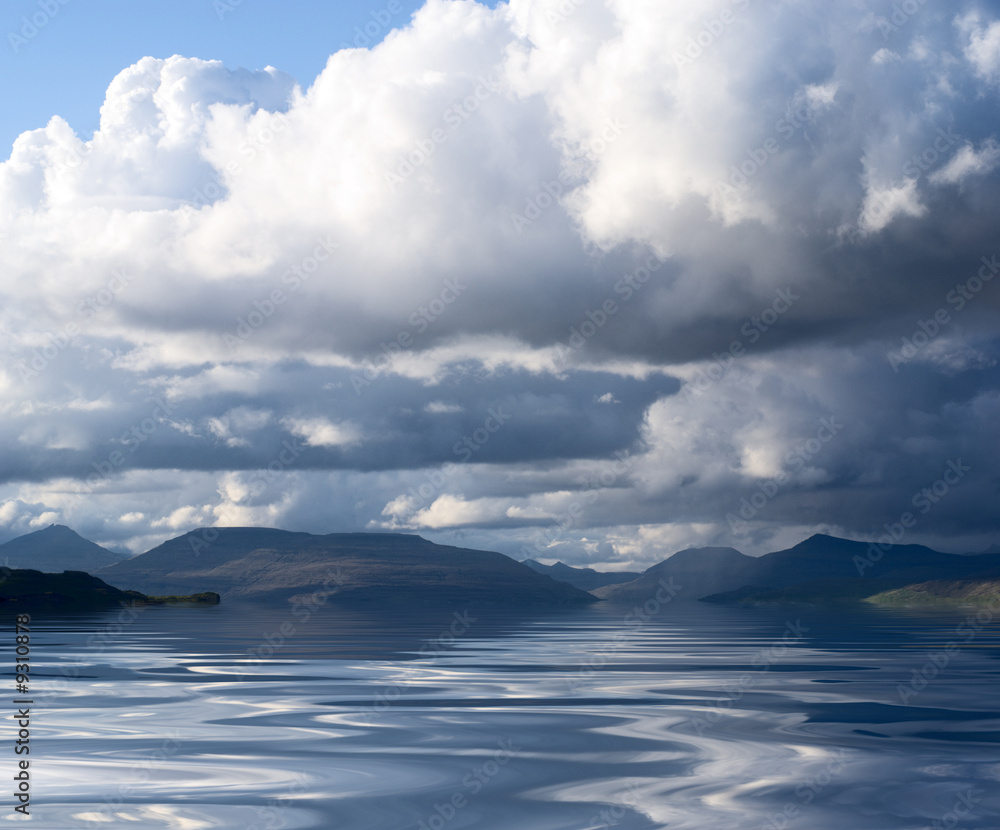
707	717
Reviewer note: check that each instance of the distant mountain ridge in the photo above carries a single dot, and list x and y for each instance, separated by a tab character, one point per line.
345	567
586	579
703	572
55	549
256	563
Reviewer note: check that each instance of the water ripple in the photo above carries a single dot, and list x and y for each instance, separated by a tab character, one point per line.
573	720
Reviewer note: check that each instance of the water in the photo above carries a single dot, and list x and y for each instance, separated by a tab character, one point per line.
255	717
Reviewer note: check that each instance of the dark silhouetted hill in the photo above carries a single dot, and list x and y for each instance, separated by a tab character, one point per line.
393	568
55	549
24	589
825	564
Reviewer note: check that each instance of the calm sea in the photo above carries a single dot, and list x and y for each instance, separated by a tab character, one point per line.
257	717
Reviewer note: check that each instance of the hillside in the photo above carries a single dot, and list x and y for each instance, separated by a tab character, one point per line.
943	592
815	592
26	589
254	563
586	579
827	557
696	571
876	591
55	549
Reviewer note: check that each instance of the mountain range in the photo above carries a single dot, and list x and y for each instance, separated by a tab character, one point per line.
838	568
272	564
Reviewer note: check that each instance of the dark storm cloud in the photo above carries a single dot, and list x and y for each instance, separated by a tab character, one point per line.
539	224
395	423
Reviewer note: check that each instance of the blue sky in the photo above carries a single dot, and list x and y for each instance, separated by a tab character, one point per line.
67	66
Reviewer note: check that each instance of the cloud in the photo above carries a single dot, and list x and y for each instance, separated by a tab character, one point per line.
983	45
319	432
241	420
440	407
882	205
506	246
967	162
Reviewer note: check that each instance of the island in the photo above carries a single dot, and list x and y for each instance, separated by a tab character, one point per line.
24	588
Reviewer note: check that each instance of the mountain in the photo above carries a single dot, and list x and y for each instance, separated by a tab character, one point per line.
695	571
26	589
248	562
702	572
586	579
827	557
54	549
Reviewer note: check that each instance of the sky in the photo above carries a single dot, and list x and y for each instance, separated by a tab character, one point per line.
572	280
